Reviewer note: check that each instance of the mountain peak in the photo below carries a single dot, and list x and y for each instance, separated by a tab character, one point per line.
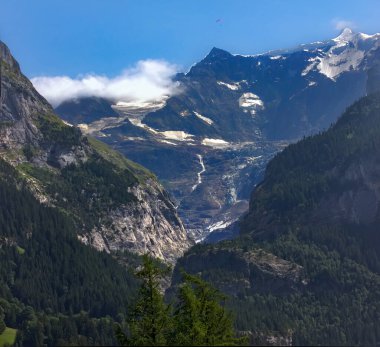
347	34
6	56
218	53
347	31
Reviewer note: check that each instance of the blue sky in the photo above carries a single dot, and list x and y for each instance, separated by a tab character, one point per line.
67	37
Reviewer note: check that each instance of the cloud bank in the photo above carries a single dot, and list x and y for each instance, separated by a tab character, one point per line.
148	80
341	24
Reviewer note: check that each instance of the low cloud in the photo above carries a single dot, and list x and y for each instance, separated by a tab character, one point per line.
148	80
341	24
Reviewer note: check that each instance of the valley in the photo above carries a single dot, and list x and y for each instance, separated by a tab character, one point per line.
258	173
236	112
208	178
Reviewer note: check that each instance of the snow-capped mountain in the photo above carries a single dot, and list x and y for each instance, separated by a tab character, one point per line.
276	95
210	143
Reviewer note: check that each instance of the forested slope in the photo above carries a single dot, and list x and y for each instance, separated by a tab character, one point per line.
306	267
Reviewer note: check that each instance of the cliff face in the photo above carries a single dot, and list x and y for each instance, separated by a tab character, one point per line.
115	203
151	225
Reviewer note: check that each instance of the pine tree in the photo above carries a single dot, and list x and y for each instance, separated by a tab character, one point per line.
200	317
149	323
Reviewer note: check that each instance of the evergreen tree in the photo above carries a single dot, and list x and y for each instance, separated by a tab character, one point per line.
149	323
200	317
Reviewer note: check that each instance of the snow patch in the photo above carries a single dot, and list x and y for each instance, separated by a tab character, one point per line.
219	225
251	102
276	57
133	138
137	122
335	64
177	135
205	119
145	105
234	86
168	142
346	53
314	61
67	123
215	143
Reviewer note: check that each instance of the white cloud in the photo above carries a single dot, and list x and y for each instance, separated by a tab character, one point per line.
341	24
148	80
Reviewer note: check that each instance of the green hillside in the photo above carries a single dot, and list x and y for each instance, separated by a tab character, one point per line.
306	268
56	290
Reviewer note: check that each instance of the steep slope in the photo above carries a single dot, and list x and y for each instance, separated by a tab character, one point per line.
115	203
306	268
53	289
237	112
331	178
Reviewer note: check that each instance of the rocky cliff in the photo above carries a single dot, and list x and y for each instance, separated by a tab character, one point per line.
115	203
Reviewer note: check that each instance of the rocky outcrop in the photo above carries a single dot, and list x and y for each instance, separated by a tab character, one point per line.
244	270
65	169
150	225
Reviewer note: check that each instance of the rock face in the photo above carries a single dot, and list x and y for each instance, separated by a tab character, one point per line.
244	270
236	112
115	203
149	226
18	109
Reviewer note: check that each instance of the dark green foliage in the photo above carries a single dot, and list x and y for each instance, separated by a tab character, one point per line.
29	151
56	275
297	178
87	191
149	323
199	317
56	131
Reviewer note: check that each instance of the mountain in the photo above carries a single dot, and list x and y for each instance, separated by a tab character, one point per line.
277	95
305	269
85	110
54	289
115	203
235	113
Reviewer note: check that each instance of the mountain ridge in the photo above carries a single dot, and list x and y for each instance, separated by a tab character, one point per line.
237	112
106	194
